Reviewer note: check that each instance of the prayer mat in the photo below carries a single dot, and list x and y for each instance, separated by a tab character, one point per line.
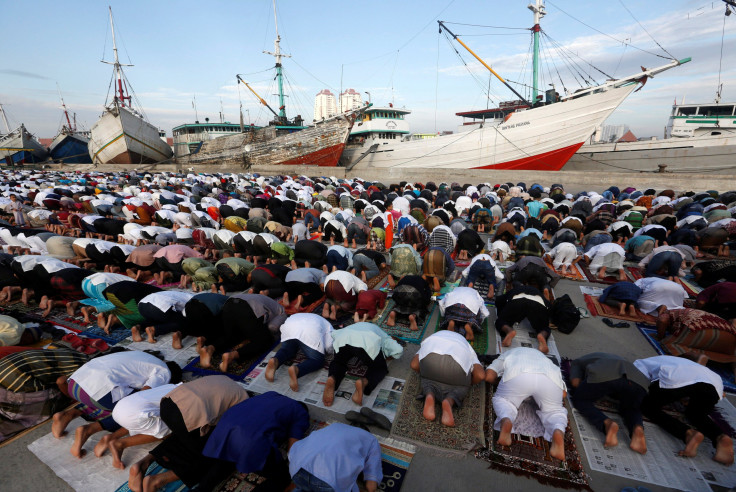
396	457
610	279
723	370
529	456
163	286
447	288
690	287
236	370
480	342
401	329
598	309
116	335
634	272
481	286
291	308
379	279
574	272
56	317
155	469
410	425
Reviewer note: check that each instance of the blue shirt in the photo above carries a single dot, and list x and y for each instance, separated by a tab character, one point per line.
250	431
337	454
621	291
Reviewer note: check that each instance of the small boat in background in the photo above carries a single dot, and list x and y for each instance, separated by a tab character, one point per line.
70	146
19	146
122	135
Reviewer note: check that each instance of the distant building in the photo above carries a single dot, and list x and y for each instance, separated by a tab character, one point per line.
324	105
350	100
627	137
612	133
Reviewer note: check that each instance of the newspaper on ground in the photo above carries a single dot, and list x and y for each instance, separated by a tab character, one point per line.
384	399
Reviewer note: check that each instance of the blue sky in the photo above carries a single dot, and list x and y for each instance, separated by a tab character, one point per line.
391	49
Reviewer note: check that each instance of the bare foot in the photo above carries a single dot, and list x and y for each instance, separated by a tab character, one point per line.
429	412
542	344
176	340
135	333
413	323
151	332
638	441
200	343
135	477
358	394
59	422
101	447
205	357
227	357
622	275
504	437
329	395
557	450
448	419
333	312
611	431
293	381
326	311
271	367
391	321
80	437
116	451
469	335
692	441
724	450
632	311
508	338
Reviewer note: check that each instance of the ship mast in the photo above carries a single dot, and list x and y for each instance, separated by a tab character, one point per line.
5	119
120	92
279	71
538	9
66	113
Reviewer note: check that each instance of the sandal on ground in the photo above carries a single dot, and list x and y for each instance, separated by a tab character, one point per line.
609	322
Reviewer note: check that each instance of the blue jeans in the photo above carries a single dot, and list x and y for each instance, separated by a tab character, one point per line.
306	482
672	260
337	260
484	269
315	359
311	219
362	261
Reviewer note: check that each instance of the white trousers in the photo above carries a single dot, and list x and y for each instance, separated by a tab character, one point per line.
546	394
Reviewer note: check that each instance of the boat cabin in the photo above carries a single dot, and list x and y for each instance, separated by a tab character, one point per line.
692	120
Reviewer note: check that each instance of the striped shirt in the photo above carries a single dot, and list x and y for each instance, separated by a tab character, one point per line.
37	370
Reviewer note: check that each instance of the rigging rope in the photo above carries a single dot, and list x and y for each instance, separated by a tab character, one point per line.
645	29
720	61
603	33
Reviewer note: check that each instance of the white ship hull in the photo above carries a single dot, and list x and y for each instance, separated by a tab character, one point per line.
542	138
20	147
122	137
704	155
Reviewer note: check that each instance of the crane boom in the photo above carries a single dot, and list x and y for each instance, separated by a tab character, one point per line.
263	101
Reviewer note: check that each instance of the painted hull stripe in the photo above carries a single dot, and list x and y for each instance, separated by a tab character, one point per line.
132	138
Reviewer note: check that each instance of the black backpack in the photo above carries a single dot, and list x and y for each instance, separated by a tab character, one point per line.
564	314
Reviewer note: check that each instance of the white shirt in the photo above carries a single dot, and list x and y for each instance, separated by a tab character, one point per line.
450	343
311	329
107	278
676	372
659	292
605	249
140	412
503	248
524	360
168	299
349	282
121	373
466	296
645	230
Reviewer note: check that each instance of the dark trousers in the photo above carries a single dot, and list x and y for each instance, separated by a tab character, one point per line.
517	309
310	292
703	397
162	321
240	324
669	260
377	368
628	393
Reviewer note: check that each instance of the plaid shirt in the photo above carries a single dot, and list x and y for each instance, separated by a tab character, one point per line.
37	370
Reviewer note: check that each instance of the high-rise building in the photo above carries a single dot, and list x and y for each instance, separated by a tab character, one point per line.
324	105
350	100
